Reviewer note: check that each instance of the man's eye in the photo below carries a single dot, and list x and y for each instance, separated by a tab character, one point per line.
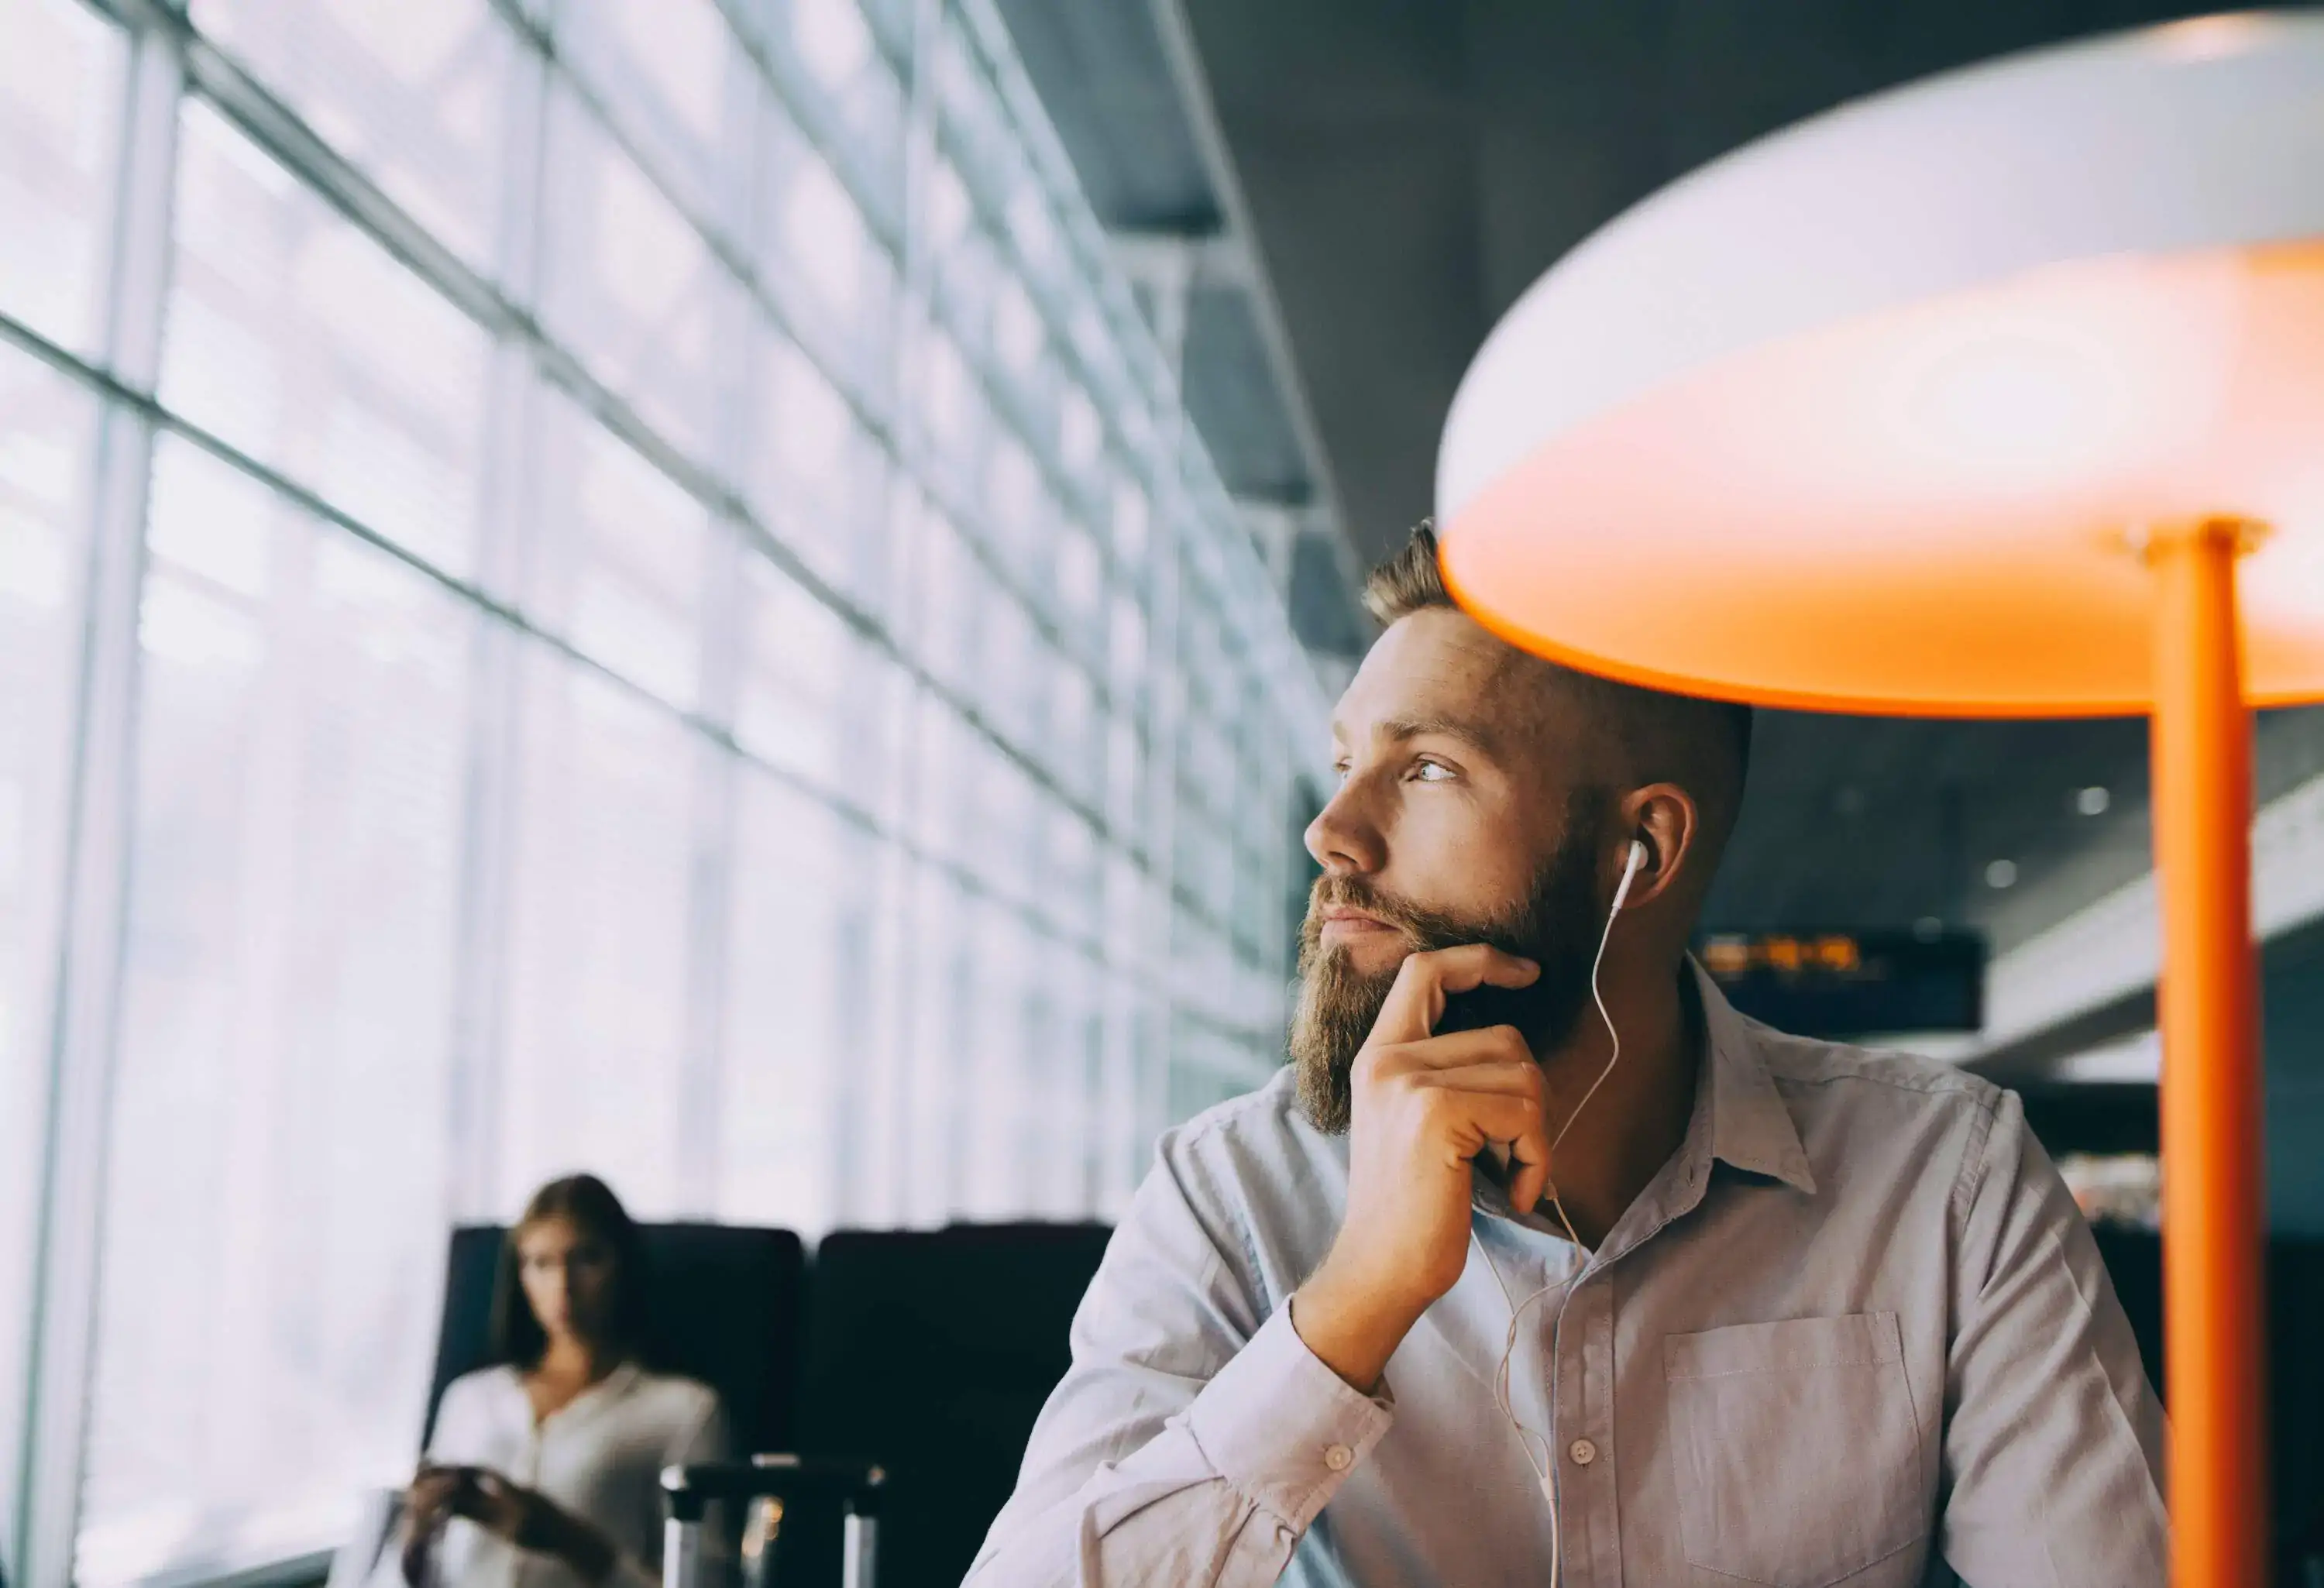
1340	771
1433	772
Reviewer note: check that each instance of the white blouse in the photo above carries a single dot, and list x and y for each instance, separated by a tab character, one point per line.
600	1457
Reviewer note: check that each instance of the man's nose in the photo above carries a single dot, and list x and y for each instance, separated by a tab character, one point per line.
1345	837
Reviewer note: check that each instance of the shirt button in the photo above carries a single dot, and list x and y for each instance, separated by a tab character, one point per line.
1339	1458
1582	1451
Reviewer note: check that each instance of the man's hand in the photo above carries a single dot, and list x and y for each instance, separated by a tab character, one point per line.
1422	1107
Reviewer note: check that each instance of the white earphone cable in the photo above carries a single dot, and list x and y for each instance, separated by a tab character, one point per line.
1548	1467
1544	1469
1597	996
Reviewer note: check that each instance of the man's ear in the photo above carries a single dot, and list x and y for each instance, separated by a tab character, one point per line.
1664	818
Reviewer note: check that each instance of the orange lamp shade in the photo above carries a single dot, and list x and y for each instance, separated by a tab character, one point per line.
1876	413
1937	509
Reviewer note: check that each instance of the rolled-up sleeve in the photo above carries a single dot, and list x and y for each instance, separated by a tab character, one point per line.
2053	1442
1193	1440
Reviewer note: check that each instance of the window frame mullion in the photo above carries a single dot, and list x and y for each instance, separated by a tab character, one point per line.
68	1261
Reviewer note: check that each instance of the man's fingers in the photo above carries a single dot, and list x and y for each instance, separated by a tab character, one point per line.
1416	1001
1528	1184
1528	1164
1455	1050
1470	1118
1516	1078
1493	1106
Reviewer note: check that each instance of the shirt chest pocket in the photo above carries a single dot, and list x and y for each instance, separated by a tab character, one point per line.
1796	1451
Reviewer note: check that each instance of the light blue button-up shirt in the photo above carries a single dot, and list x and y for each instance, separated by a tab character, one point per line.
1854	1332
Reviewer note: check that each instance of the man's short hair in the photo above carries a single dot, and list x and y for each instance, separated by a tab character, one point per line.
1644	720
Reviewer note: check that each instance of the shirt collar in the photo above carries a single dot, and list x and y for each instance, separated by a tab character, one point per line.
613	1387
1750	1128
1738	1119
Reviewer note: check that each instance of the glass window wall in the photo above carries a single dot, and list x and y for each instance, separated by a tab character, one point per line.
624	673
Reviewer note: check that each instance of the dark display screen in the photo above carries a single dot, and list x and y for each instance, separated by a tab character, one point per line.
1843	984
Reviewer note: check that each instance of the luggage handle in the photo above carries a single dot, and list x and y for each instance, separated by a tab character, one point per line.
687	1491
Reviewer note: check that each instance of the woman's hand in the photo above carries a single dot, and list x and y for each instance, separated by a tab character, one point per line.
426	1504
523	1516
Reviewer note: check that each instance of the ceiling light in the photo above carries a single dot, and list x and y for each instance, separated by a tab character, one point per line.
2092	800
2001	874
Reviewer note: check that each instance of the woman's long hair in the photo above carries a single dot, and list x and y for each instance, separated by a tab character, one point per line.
590	1206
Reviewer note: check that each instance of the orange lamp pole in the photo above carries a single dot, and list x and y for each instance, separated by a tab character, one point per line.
2211	1116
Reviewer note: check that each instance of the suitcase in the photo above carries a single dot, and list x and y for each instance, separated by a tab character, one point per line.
766	1485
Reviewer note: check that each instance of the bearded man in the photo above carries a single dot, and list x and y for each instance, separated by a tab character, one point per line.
1541	1265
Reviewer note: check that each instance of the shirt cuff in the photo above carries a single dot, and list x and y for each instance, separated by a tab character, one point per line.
1283	1428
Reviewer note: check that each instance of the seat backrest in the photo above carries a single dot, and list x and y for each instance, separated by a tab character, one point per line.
724	1306
2134	1260
931	1353
2296	1398
2295	1373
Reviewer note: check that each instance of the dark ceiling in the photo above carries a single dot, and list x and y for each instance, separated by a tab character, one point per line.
1407	168
1103	77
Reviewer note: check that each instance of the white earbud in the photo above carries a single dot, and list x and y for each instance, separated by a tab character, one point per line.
1631	869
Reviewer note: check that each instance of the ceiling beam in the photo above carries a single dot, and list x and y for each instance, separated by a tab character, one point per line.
1193	82
1195	259
2091	977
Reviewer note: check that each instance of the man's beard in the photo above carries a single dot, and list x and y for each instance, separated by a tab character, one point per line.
1556	926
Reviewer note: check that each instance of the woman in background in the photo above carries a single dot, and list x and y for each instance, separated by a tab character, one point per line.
544	1470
